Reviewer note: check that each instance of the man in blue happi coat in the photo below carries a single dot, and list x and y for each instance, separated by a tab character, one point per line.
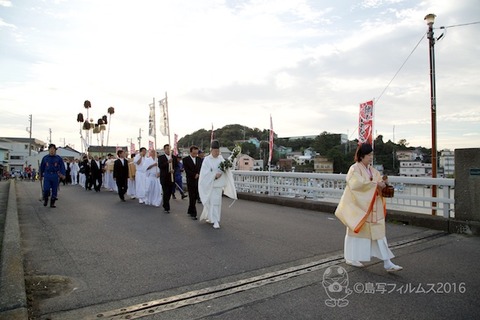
52	169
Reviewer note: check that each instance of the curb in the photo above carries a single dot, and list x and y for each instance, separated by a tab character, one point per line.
13	300
409	218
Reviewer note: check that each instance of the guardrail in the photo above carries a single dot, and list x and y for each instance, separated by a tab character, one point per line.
412	194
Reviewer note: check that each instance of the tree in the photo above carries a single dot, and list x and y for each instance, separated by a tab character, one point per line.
250	149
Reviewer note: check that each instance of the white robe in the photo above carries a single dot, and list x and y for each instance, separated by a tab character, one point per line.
110	183
359	196
153	190
210	189
140	178
74	168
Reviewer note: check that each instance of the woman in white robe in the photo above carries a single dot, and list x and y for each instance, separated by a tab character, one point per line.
212	183
153	189
362	210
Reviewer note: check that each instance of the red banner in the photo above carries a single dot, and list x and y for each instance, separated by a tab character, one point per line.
365	123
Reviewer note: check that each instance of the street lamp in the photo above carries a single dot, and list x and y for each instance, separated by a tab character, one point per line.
430	19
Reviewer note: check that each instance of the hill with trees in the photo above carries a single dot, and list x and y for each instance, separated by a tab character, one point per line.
326	144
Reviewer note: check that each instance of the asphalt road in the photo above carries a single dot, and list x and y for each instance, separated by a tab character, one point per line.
124	260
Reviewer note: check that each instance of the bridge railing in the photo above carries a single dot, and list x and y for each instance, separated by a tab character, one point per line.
412	194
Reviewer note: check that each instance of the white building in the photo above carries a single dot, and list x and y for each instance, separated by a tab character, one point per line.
447	162
415	169
20	150
66	152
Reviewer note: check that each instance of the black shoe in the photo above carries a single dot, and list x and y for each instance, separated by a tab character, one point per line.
166	211
184	196
52	203
123	199
173	196
194	218
45	201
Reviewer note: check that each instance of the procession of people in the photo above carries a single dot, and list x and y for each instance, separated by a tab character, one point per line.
147	176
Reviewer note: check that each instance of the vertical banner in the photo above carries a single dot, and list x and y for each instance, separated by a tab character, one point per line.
132	148
270	142
151	121
164	129
150	145
365	123
175	144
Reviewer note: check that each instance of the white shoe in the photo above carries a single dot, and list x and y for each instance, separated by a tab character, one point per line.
354	263
394	268
216	225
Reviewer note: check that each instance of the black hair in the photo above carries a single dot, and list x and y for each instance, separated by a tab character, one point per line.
362	150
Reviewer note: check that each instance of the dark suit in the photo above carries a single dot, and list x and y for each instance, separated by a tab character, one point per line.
120	174
96	175
86	171
166	179
191	170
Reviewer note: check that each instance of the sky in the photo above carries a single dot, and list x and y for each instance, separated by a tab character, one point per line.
306	63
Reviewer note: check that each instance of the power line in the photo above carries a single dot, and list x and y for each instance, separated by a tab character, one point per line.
416	46
401	67
460	25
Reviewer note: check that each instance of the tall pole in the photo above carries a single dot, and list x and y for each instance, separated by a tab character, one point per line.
29	129
139	138
154	125
430	19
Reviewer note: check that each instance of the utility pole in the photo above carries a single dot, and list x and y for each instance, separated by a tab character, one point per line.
139	138
50	137
29	130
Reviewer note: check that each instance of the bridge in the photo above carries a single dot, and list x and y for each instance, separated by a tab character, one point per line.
94	257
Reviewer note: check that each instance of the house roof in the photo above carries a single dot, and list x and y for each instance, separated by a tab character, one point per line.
22	140
106	149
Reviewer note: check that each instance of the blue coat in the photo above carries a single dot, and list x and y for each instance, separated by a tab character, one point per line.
52	166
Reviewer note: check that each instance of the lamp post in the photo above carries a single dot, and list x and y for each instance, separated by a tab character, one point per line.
430	19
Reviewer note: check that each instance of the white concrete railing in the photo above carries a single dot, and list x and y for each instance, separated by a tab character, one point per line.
411	194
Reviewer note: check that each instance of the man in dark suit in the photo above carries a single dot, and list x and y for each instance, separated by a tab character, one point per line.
96	169
167	163
192	165
120	174
87	172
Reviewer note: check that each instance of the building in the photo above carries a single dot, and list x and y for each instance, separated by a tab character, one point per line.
322	165
408	155
447	162
245	162
415	169
20	149
103	151
285	165
4	160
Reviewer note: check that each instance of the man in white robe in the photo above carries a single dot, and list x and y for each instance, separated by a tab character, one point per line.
140	175
212	183
74	168
153	190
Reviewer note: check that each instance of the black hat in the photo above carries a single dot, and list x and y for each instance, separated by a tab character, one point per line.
215	144
51	145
